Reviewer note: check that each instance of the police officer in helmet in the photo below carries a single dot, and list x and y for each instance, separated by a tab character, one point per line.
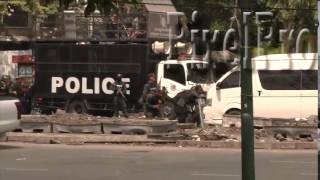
185	101
153	102
150	86
119	98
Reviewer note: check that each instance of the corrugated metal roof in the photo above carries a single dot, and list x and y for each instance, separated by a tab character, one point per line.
159	6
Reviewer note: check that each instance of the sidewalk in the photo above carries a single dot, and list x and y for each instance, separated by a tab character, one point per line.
79	139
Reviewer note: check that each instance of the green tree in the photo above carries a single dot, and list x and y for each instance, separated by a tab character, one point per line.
35	7
288	14
291	15
104	6
213	14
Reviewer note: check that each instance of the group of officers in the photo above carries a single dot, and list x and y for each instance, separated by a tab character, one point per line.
153	98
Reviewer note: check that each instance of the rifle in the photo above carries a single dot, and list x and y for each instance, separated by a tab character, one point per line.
119	90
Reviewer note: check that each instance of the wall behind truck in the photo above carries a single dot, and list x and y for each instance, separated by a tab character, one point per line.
60	68
10	67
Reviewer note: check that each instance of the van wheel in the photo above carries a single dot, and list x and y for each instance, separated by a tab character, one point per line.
136	132
167	110
234	112
77	107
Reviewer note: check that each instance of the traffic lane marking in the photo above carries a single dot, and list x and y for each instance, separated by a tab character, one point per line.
25	169
308	174
295	162
303	164
216	174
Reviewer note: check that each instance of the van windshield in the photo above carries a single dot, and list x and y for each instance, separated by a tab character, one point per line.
200	73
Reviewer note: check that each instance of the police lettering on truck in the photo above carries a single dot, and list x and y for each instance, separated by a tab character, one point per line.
74	85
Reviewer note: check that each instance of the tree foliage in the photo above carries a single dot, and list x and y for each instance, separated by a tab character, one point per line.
34	7
104	6
224	14
292	13
213	14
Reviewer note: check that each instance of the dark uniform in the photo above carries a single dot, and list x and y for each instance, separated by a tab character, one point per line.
119	99
148	91
153	103
185	105
150	85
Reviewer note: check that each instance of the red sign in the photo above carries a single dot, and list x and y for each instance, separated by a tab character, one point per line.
21	59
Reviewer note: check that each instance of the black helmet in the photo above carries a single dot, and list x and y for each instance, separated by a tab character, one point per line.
198	89
119	76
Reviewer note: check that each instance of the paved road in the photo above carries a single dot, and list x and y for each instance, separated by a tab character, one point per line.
109	162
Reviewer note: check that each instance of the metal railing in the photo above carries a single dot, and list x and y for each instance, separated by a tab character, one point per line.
95	27
129	27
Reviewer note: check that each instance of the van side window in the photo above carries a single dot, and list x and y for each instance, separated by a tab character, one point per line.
280	79
232	81
309	80
175	72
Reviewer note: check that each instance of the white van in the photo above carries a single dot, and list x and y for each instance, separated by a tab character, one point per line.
284	86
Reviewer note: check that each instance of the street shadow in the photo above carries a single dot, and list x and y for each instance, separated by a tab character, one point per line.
8	147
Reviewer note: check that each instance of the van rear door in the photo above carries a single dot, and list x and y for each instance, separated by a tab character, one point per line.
309	93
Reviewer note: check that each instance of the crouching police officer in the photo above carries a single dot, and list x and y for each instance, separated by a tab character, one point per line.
186	102
147	88
153	103
119	98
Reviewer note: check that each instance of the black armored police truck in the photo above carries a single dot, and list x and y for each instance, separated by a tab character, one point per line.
77	76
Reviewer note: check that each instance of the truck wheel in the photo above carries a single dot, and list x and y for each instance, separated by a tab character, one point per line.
77	107
167	110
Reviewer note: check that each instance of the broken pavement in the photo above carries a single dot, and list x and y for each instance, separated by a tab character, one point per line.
62	128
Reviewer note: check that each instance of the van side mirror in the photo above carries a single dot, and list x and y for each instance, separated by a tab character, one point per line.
218	86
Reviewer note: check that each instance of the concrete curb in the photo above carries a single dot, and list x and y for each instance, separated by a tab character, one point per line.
133	126
258	145
49	138
78	139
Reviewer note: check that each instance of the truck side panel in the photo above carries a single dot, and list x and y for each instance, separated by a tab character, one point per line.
67	71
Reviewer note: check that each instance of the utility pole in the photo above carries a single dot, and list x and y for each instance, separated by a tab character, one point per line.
247	131
318	83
